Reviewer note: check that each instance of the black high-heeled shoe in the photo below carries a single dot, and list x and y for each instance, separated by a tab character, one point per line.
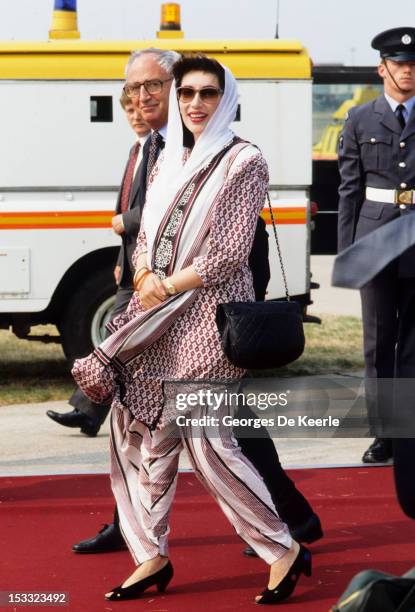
161	579
301	565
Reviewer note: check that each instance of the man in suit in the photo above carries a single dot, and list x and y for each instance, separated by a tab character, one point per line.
377	168
148	80
86	415
126	221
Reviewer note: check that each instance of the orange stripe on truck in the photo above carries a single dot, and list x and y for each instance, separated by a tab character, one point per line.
102	218
56	219
285	216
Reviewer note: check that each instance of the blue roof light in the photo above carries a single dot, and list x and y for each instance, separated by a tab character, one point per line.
65	5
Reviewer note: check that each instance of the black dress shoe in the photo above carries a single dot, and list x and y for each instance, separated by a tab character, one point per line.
161	579
109	539
380	451
310	531
76	418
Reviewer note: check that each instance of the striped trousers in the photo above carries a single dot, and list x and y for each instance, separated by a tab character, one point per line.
144	467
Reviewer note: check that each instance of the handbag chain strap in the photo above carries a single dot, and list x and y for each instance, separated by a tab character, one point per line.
284	278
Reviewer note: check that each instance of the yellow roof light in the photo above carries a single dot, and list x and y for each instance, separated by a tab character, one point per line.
170	16
170	21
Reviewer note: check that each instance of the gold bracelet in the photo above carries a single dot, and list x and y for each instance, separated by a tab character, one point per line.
142	268
140	282
137	274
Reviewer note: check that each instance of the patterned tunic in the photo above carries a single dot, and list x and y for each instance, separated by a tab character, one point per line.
191	348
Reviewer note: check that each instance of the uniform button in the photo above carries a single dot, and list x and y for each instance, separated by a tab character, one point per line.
402	165
373	140
402	206
402	145
403	185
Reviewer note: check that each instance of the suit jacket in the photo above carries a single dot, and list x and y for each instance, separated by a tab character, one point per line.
374	152
132	217
259	262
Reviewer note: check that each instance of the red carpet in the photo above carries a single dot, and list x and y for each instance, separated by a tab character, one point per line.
42	516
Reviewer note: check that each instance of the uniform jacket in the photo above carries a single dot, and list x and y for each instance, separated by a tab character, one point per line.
132	217
374	152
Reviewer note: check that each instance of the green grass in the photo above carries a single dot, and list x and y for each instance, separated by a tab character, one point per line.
37	372
335	345
32	371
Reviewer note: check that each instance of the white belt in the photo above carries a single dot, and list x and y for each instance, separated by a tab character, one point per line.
390	196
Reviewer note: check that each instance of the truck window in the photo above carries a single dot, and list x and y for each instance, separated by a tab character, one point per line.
330	105
336	89
101	108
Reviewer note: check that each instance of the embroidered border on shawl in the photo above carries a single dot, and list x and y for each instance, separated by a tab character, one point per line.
172	225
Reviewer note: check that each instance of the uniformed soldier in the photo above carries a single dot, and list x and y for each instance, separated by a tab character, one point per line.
377	168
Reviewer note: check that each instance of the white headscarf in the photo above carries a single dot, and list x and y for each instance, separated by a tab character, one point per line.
173	174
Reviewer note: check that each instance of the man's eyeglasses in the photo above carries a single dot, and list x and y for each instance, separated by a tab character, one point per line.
206	94
152	87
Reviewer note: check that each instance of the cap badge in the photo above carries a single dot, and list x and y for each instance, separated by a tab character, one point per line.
406	39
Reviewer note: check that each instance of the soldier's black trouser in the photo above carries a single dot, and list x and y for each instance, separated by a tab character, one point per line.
388	311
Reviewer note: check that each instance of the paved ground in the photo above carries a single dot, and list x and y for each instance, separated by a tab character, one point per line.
328	299
32	444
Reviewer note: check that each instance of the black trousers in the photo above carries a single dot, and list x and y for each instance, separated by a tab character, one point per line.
388	312
99	412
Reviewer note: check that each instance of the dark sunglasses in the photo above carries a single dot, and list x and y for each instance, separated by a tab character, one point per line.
206	94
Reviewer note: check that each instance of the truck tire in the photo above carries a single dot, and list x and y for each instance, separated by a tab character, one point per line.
82	325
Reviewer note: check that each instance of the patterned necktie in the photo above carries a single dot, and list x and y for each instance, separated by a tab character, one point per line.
129	177
400	116
156	143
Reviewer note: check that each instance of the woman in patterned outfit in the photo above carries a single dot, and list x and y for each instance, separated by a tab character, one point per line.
192	254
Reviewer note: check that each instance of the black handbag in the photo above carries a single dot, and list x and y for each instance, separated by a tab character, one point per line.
260	335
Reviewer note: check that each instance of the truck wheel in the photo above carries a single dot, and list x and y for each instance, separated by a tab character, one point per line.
82	326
